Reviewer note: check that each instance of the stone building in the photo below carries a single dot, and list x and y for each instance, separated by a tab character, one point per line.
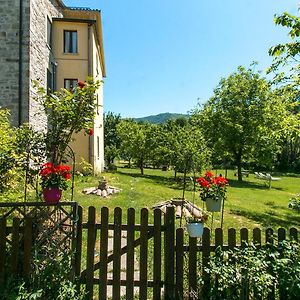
45	41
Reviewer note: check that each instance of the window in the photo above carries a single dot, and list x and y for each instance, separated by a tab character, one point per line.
49	33
69	84
70	41
51	78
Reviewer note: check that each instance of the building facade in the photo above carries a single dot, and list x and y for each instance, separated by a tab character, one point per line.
55	45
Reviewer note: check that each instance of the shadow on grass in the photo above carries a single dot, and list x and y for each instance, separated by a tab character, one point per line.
252	185
169	181
269	218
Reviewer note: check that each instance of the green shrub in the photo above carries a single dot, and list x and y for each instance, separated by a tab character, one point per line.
295	203
252	273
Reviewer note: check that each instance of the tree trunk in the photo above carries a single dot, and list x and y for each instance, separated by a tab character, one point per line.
129	163
239	169
142	167
175	174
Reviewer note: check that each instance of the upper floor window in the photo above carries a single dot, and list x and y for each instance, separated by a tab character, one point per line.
69	84
70	41
49	33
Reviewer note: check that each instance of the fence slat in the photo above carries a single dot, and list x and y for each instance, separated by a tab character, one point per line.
294	234
27	247
179	264
193	268
2	247
281	235
103	254
218	237
144	254
169	253
270	240
205	261
157	255
282	290
117	253
91	238
130	254
15	245
269	236
78	251
244	237
257	237
231	238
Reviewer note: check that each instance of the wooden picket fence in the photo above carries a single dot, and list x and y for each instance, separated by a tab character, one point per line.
151	259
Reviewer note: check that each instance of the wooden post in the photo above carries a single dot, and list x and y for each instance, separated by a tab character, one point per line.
144	255
205	261
2	248
130	254
103	254
169	250
27	247
91	237
15	246
193	290
157	255
179	263
117	253
78	251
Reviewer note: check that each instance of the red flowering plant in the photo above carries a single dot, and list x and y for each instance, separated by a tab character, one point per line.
212	186
55	176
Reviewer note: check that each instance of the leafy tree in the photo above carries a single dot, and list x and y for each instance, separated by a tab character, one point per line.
286	67
112	140
243	119
287	55
182	146
68	112
137	141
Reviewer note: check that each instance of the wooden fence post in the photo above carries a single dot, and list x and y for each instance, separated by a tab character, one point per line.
2	247
27	246
130	254
103	253
144	255
157	255
78	250
91	237
169	252
179	263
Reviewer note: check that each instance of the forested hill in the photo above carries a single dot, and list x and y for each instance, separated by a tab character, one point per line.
160	118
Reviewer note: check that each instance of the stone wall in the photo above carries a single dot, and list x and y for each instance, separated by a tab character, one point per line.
9	56
35	56
39	54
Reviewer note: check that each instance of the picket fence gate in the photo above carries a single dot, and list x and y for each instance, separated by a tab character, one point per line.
168	260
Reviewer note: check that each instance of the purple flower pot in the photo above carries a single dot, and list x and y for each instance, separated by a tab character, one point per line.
52	195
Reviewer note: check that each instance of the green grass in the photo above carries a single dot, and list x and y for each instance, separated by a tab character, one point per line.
249	204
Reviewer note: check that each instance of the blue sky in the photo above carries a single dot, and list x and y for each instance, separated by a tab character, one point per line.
166	55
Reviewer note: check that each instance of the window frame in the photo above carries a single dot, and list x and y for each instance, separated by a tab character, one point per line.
70	79
69	49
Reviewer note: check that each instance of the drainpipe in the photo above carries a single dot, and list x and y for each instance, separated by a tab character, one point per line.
20	63
91	138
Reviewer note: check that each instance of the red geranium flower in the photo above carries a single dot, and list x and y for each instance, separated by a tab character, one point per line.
81	84
90	131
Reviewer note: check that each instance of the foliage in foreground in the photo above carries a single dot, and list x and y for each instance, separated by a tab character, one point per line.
251	273
50	280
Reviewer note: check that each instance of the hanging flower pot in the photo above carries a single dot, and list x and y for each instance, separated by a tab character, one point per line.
195	229
52	195
213	205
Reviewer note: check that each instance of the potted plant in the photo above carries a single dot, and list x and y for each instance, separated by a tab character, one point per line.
195	226
54	180
212	190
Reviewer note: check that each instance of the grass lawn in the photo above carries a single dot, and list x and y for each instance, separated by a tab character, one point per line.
249	204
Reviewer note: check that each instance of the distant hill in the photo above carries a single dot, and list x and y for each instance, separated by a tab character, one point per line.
160	118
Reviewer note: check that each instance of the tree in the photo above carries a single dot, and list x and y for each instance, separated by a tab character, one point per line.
137	141
68	112
287	55
286	67
112	140
242	119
